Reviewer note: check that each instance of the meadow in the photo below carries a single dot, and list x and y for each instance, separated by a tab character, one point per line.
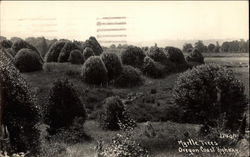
151	102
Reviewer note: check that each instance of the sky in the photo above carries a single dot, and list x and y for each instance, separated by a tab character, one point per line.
145	20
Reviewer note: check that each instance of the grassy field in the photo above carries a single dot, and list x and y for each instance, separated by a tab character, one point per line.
157	106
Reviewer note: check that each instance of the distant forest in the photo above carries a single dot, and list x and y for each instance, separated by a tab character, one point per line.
236	46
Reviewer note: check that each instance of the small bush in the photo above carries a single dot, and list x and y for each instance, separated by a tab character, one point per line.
65	52
124	146
54	51
94	71
207	91
26	60
64	106
88	52
76	57
195	56
113	113
129	77
21	112
133	56
112	63
152	68
93	43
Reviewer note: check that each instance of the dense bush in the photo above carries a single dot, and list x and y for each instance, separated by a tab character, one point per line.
112	63
195	56
65	52
129	77
176	56
27	60
207	91
94	71
157	54
5	44
21	113
39	43
113	113
93	43
64	106
76	57
20	44
133	56
152	69
54	51
88	52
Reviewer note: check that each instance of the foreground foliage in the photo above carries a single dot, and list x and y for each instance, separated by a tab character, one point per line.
207	91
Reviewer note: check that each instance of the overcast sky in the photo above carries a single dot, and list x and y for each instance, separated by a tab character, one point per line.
146	21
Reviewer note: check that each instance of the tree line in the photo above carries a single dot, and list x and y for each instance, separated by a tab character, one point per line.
240	46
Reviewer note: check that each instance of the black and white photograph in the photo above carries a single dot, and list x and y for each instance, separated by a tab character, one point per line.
124	78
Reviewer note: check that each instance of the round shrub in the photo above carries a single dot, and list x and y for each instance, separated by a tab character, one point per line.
88	52
129	77
39	43
133	56
93	43
176	56
26	60
54	51
5	44
152	69
112	63
94	71
195	56
113	113
157	54
65	52
64	106
206	92
20	44
21	113
76	57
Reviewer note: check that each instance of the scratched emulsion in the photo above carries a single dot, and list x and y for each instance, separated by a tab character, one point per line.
111	30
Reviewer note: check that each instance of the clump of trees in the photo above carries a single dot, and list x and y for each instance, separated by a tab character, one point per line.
227	46
206	92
